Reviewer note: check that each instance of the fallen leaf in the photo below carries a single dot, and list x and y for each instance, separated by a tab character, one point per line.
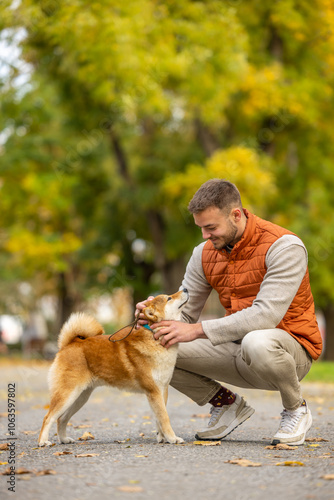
45	472
3	463
130	489
141	456
201	415
207	443
82	426
291	464
29	432
87	455
244	462
313	440
21	470
313	445
328	476
86	436
280	446
4	446
58	453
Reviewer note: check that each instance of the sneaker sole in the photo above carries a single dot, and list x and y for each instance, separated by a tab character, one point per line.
244	415
294	443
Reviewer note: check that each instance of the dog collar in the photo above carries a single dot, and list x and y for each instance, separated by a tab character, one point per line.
148	327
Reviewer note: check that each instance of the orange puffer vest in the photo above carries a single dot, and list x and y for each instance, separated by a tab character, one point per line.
237	278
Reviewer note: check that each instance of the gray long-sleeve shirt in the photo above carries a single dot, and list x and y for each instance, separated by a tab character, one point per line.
286	262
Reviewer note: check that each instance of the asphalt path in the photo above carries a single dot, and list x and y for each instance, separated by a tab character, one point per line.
123	460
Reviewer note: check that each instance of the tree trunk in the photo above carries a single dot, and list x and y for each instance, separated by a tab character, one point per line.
329	342
171	270
66	302
173	275
205	137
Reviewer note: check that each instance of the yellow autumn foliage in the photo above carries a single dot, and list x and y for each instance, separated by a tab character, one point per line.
26	246
241	165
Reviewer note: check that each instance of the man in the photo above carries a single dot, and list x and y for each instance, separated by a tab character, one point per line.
269	335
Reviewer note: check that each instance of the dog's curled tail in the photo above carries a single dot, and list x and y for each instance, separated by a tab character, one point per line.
78	325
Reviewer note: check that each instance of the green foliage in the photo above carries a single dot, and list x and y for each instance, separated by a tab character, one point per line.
132	105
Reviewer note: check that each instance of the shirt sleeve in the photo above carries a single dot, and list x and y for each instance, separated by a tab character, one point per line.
286	263
198	288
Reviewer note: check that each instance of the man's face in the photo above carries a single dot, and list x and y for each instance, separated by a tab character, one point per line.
219	228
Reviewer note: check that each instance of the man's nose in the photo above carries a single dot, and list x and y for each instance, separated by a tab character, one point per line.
205	234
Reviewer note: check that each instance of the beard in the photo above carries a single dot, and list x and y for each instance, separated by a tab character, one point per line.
228	239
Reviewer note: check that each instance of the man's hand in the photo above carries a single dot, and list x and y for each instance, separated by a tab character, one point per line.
139	307
173	332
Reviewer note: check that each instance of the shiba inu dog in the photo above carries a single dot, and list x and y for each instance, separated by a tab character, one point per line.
134	361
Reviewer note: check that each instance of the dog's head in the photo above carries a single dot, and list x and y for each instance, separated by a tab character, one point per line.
166	307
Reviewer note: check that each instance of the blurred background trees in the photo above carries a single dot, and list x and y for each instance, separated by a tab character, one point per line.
112	115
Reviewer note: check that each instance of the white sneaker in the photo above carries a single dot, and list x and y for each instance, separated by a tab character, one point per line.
294	426
225	419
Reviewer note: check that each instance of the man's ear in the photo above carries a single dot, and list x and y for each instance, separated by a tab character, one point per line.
149	313
236	214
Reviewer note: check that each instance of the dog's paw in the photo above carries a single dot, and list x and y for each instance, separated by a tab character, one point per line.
160	437
67	440
173	440
45	443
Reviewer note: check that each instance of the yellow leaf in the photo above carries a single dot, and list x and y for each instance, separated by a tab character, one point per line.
244	462
281	446
130	489
87	455
291	464
328	476
313	440
86	436
207	443
46	472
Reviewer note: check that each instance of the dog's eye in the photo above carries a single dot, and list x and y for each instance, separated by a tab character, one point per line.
169	298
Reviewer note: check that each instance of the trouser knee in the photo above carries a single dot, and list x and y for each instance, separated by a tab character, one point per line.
255	349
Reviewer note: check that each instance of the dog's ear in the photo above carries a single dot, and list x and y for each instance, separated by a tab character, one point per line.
149	313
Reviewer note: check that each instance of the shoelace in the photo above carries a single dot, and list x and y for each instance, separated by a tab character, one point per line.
289	420
215	414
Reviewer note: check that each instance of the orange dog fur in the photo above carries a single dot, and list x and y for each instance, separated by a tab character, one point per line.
138	363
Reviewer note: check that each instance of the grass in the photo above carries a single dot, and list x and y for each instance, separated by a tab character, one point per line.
321	371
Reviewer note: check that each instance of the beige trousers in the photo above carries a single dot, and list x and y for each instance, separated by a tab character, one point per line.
265	359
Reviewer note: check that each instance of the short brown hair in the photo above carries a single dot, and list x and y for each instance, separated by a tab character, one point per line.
215	193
